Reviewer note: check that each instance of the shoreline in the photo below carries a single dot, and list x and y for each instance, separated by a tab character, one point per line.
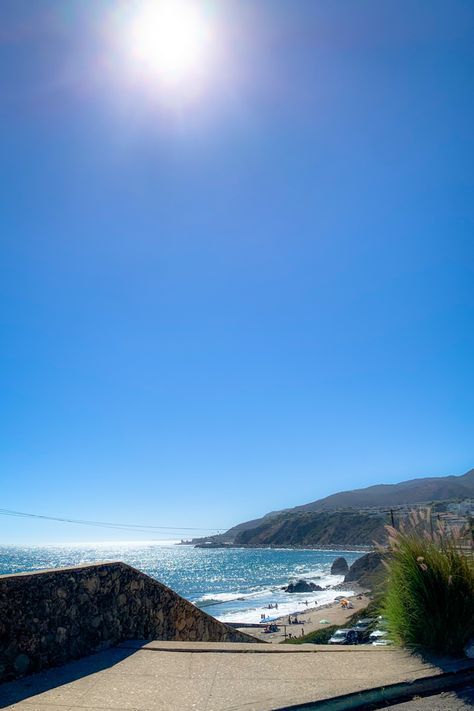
336	548
309	618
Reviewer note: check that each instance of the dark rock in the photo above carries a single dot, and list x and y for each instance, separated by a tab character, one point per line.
302	586
366	570
339	566
21	664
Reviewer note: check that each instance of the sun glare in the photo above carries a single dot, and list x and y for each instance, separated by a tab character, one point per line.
171	39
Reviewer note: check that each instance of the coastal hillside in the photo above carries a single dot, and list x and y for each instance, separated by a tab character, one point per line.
379	496
413	491
309	529
368	507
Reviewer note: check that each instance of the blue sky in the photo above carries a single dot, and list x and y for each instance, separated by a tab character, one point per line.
215	306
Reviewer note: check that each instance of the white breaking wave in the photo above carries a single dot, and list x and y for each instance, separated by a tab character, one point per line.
249	606
295	603
234	596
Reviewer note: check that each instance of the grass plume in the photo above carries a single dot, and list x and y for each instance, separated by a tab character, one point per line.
429	600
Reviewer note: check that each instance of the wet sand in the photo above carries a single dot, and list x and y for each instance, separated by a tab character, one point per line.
310	618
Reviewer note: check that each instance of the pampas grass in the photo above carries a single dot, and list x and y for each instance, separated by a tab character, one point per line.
429	600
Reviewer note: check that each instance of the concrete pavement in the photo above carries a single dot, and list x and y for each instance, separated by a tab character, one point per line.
178	676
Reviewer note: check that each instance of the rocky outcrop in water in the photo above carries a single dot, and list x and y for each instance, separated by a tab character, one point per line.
339	566
366	570
302	586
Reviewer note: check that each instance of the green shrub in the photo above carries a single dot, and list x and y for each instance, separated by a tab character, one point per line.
429	601
372	610
317	637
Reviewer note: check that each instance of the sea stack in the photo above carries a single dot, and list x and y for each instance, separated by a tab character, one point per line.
366	570
339	566
302	586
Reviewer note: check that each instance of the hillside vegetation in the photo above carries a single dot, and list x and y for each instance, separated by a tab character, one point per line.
347	518
414	491
327	528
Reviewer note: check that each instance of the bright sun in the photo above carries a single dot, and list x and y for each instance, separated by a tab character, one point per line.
171	39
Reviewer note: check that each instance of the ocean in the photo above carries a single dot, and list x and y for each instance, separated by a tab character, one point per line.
235	585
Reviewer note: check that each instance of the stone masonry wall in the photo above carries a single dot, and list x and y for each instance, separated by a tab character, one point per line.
51	617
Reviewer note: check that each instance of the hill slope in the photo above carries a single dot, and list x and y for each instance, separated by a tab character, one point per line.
311	529
413	491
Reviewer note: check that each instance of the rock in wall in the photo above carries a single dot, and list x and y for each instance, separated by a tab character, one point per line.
51	617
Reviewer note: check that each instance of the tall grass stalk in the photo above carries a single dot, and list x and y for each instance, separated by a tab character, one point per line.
429	601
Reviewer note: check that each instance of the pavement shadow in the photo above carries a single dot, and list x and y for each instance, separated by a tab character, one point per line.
445	663
451	700
12	692
466	695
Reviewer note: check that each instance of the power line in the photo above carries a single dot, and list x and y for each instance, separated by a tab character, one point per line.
103	524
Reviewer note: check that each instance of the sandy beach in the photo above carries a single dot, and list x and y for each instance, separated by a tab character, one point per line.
309	619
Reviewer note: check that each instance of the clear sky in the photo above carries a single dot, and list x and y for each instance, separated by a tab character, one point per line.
242	290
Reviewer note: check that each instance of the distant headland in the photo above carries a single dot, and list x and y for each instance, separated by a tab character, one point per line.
354	519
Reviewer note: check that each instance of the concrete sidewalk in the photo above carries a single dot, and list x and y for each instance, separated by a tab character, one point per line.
174	676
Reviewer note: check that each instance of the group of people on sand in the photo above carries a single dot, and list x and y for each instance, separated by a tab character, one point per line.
263	616
347	605
271	628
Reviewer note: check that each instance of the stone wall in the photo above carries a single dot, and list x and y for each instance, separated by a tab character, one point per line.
50	617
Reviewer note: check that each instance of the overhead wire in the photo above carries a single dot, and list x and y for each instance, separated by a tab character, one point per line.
136	527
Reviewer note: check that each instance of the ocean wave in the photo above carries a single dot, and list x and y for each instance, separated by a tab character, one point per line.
233	596
263	596
234	585
209	602
289	606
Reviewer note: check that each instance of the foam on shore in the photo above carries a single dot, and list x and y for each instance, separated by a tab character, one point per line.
294	603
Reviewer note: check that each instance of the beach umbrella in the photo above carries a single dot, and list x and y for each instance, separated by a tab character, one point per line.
323	622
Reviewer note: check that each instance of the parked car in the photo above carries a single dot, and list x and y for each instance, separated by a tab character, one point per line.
364	627
344	636
377	635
